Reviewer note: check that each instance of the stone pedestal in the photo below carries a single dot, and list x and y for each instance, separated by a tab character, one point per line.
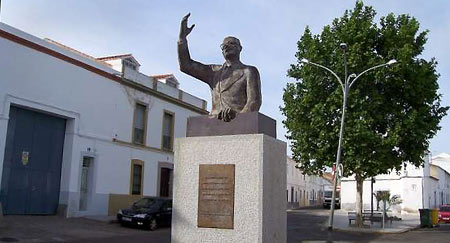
244	123
259	193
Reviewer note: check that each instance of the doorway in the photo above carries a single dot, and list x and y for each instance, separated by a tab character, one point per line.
87	168
32	165
165	184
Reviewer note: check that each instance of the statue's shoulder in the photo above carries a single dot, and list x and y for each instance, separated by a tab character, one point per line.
251	69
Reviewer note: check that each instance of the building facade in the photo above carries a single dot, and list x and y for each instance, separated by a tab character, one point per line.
423	187
82	135
303	190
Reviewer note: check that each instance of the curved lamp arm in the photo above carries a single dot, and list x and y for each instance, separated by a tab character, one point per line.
393	61
306	61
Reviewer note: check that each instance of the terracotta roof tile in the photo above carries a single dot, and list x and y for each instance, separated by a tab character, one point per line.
115	57
77	52
122	56
160	76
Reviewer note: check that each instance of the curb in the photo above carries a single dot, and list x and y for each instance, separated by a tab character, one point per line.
376	231
107	221
304	208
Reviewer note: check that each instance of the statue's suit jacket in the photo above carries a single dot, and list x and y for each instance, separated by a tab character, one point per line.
228	88
229	84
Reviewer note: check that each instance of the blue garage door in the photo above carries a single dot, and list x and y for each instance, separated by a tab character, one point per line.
32	164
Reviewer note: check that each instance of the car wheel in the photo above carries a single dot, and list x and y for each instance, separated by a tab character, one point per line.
153	225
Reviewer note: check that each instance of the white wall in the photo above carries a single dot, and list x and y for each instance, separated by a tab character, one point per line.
97	110
416	187
166	89
442	160
136	76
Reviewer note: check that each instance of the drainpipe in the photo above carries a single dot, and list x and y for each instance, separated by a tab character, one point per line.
423	200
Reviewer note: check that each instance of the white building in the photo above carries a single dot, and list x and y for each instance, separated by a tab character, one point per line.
426	187
80	135
303	190
442	160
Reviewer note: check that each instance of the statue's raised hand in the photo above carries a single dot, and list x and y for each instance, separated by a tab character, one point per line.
184	30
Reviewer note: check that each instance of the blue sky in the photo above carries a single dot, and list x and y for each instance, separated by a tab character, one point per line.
268	31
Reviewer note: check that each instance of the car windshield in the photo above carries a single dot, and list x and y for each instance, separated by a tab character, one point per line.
330	194
445	209
147	203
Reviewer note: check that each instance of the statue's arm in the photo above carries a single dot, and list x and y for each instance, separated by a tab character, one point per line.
193	68
254	98
187	65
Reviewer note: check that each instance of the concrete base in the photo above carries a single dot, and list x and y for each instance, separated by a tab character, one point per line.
260	188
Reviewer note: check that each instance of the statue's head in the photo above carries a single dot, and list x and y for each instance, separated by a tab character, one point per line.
231	46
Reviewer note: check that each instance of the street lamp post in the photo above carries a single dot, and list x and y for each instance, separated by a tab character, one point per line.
346	85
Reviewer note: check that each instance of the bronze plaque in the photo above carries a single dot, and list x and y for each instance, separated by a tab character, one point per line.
216	196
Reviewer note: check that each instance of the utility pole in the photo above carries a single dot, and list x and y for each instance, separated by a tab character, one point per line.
345	86
372	180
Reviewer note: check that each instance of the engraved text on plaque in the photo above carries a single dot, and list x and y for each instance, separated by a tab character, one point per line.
216	196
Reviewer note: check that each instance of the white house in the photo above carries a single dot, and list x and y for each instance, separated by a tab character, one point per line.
423	187
442	160
303	190
82	135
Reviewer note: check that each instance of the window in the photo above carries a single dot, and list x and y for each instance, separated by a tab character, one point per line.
172	82
129	64
136	177
167	131
292	194
140	120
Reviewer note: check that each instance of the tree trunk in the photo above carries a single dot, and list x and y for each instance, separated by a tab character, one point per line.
359	202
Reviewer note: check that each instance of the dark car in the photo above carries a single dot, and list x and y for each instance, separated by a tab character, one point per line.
444	214
147	212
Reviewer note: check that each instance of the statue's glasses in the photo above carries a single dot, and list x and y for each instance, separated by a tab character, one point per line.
222	46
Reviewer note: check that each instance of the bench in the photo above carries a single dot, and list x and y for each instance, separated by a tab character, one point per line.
367	216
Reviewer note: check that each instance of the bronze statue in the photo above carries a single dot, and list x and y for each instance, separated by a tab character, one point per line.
235	87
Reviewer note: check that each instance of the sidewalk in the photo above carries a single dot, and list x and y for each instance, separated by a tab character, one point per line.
408	222
102	218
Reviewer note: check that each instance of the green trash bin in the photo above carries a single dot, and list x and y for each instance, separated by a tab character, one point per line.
425	217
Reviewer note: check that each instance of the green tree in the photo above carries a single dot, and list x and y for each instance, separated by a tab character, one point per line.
392	112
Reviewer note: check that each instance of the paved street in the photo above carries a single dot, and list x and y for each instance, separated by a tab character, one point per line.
307	225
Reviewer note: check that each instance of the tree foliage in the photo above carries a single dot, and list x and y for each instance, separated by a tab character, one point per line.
392	112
